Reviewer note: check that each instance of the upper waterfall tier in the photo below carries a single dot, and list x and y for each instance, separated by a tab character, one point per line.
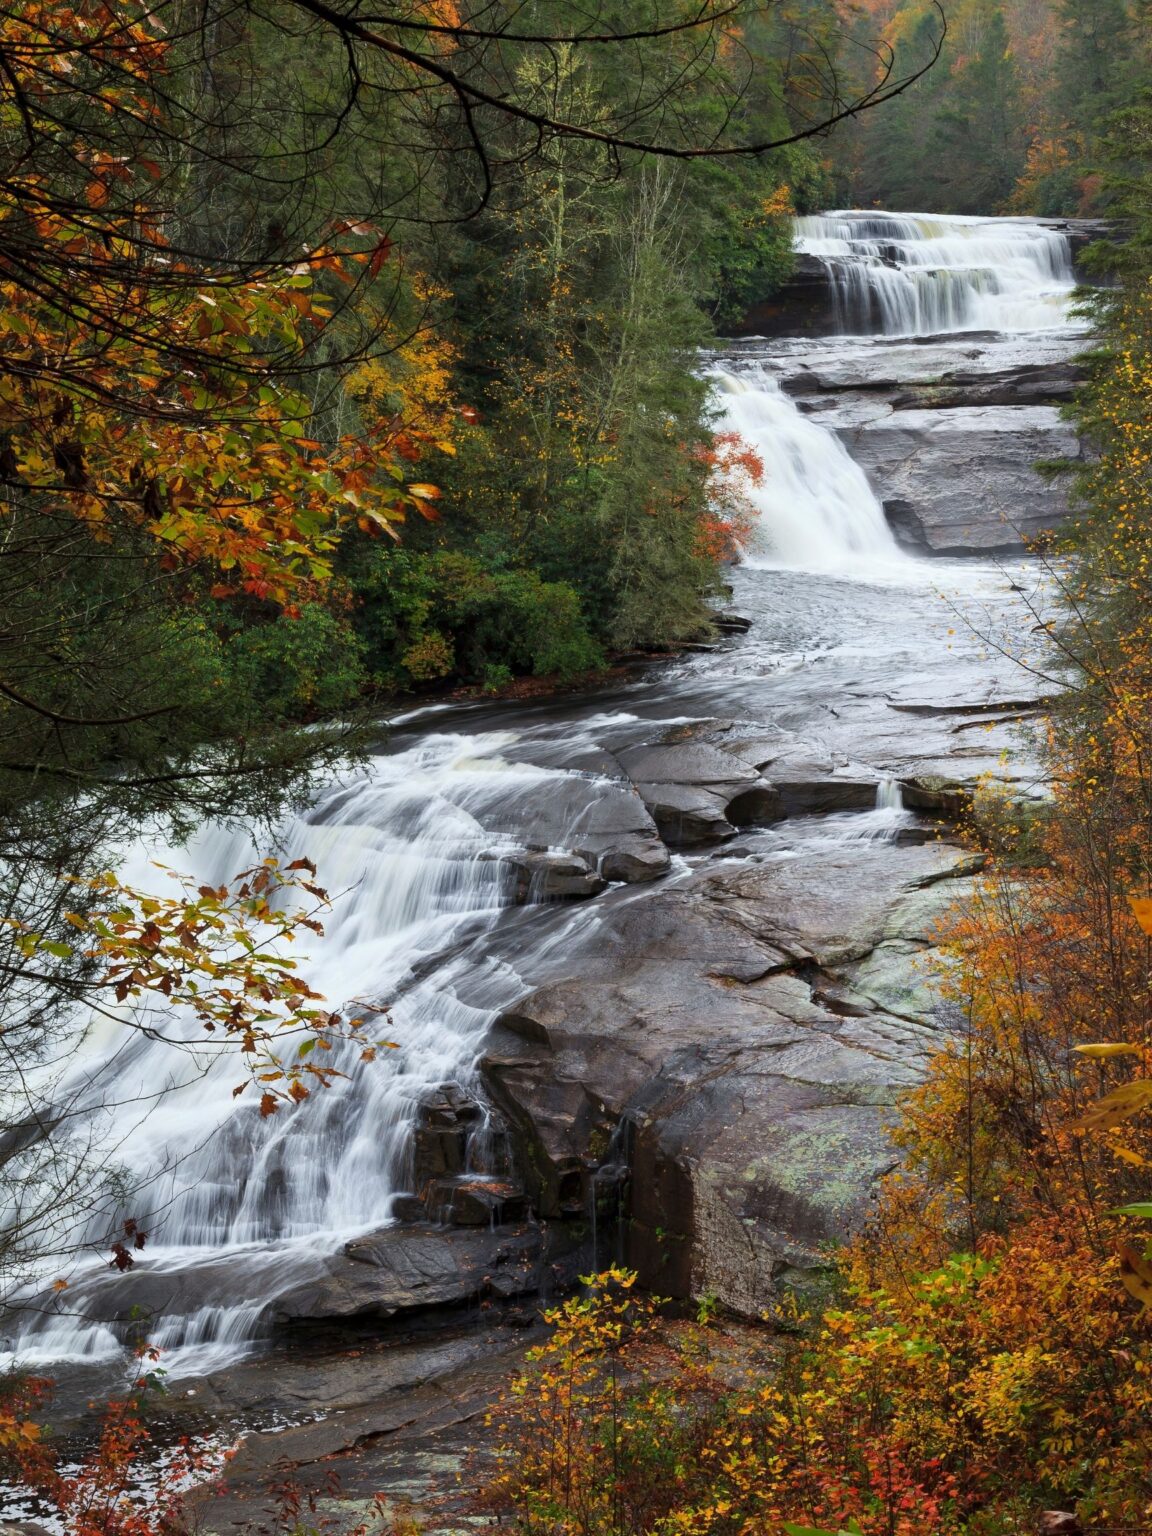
914	274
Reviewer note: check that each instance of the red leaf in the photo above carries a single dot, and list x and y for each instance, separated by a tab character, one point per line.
379	256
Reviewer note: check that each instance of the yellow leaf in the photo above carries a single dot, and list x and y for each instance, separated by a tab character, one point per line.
1134	1158
1104	1051
1136	1276
1116	1106
1142	911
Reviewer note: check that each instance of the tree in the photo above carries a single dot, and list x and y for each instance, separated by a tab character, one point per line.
979	113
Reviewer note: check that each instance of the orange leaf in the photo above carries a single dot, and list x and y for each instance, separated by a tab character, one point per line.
1136	1276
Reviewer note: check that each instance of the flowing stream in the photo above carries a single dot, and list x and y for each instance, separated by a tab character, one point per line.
417	845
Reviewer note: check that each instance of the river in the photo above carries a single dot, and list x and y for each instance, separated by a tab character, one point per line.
706	824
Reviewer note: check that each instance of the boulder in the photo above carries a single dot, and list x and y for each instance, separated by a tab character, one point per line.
578	813
635	860
928	792
554	877
685	762
402	1269
731	623
686	814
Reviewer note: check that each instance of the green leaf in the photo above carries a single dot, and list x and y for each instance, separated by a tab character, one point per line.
1141	1208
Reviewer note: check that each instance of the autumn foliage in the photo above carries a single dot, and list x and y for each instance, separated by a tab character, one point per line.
735	470
141	387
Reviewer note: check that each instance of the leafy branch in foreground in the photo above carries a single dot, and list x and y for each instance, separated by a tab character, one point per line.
216	952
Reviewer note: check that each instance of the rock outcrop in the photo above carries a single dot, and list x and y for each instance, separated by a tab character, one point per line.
962	481
738	1041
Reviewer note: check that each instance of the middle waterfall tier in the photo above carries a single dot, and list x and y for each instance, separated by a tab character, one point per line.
816	510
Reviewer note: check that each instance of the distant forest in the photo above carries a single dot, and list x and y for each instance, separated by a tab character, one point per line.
1010	120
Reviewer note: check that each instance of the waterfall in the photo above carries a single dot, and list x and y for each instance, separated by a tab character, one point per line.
889	795
238	1204
919	274
816	510
416	849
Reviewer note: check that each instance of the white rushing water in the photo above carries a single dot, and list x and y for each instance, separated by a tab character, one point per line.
914	274
240	1201
815	509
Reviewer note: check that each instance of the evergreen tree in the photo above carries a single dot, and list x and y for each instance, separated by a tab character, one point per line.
1096	62
975	147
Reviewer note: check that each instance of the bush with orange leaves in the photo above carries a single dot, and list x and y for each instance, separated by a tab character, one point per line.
959	1398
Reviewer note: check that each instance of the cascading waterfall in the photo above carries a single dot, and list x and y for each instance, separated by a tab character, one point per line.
241	1207
239	1202
891	275
816	510
918	274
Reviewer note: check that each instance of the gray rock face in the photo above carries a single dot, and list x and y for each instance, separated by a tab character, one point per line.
956	481
1028	384
814	795
803	306
743	1034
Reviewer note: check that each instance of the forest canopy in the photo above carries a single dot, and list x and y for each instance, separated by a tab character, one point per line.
1010	119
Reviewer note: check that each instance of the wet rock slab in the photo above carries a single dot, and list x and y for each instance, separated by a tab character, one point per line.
408	1267
404	1418
729	1032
